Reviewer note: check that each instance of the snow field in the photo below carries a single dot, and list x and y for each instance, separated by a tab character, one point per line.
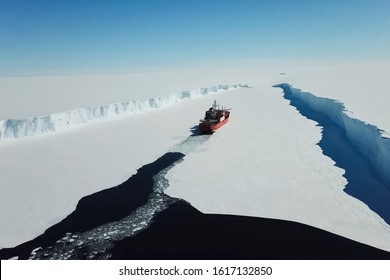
263	162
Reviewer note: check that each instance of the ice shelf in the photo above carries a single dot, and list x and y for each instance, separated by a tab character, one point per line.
18	128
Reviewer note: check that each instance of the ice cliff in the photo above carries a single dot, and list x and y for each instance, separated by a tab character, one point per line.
18	128
366	138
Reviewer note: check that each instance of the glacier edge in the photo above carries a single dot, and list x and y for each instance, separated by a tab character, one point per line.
19	128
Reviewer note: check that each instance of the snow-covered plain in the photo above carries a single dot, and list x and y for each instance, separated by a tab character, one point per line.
264	162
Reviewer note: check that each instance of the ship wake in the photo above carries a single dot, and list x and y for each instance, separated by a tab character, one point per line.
111	215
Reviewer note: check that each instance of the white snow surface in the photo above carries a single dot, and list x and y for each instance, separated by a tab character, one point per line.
264	162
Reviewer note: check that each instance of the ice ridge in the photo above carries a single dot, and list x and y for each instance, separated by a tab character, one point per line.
18	128
366	138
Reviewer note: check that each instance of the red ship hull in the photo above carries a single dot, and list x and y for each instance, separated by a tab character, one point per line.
208	128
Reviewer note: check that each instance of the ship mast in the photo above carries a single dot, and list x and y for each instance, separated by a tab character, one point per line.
215	104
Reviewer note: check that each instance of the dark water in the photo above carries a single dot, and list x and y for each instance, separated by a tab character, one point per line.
363	183
182	232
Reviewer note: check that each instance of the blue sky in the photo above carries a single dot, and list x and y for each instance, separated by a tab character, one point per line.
81	36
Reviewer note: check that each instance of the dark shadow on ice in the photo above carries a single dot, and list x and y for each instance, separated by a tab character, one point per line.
195	131
182	232
100	208
363	183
